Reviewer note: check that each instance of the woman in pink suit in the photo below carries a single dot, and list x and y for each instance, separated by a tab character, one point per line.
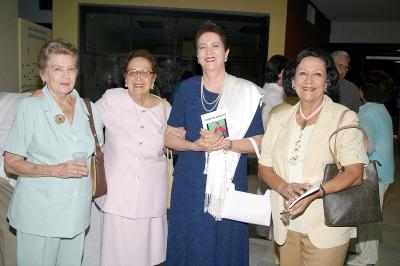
134	222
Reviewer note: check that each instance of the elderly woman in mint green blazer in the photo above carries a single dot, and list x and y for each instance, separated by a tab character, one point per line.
50	207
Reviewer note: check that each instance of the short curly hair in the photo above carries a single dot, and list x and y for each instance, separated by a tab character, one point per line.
377	86
211	26
331	71
57	46
140	53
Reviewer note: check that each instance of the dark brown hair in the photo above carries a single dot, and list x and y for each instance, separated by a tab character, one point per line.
58	46
377	86
331	71
140	53
211	26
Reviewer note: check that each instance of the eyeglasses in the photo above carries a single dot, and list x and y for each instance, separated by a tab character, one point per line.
343	67
144	73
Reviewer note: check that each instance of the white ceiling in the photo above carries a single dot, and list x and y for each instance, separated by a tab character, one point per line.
359	10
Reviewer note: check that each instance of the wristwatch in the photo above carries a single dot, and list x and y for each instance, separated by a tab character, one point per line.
230	145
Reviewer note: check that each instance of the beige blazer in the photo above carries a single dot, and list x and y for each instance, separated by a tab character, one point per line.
274	153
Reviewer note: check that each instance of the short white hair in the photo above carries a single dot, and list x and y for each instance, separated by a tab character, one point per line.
341	53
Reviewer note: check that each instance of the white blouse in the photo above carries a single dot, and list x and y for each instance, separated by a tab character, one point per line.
296	153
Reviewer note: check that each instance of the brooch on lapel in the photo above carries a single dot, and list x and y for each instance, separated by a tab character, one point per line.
59	119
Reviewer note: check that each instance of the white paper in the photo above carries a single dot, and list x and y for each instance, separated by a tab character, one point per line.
307	193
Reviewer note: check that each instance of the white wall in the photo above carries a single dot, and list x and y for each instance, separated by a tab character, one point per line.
365	32
8	45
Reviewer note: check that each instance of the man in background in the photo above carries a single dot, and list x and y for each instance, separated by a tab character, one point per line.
349	94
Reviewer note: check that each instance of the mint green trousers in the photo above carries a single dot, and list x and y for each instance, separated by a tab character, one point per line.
33	250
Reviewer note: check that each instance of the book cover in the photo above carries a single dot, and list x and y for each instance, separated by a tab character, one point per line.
217	122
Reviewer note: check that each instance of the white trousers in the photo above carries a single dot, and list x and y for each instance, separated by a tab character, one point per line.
368	236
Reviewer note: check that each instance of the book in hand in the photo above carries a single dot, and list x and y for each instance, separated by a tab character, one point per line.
216	122
305	194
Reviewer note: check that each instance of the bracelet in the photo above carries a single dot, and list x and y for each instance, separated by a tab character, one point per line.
323	191
230	145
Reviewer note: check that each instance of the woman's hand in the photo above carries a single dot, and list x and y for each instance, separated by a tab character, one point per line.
37	92
17	165
291	191
209	141
302	205
71	169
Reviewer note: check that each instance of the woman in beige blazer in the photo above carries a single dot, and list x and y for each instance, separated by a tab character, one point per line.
293	156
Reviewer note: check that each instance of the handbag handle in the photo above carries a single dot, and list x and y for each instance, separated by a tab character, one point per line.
168	151
334	133
91	123
253	142
164	111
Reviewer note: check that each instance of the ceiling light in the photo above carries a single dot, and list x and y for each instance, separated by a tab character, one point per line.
391	58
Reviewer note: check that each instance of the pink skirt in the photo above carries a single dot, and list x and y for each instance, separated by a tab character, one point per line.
125	241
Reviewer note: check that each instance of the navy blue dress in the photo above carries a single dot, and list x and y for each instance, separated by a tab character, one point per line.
194	237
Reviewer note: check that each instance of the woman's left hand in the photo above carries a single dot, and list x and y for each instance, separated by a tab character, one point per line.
213	141
302	205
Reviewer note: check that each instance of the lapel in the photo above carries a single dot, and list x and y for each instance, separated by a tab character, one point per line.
62	131
323	128
281	145
81	114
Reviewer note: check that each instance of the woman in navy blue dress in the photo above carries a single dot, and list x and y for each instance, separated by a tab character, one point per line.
195	237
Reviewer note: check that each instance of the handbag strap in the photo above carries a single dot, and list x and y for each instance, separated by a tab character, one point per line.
91	123
334	133
164	105
253	142
168	151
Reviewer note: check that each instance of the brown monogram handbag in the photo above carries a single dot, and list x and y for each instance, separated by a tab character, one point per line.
356	205
99	185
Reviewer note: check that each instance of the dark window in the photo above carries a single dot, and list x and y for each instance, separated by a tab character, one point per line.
107	34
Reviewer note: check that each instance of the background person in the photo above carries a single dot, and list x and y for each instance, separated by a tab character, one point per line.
50	207
348	93
273	92
295	150
376	121
196	235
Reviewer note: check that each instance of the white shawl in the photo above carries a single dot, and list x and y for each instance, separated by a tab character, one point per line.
241	98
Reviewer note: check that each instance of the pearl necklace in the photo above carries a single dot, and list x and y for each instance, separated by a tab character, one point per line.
203	98
306	118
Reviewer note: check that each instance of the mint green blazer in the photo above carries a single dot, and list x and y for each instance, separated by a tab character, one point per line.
51	206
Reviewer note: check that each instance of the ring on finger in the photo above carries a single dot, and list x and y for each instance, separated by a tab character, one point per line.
75	171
